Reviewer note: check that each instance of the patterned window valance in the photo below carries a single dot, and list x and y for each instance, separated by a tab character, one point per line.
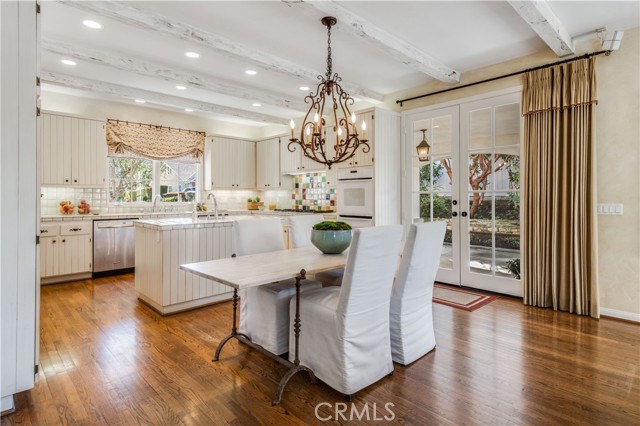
154	142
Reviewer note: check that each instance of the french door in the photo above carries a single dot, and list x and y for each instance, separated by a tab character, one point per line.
472	182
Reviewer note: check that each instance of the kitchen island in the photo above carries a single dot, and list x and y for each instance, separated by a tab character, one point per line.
162	245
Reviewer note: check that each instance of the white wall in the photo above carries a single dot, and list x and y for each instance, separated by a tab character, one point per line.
18	200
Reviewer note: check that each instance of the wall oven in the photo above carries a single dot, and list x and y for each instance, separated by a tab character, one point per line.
355	196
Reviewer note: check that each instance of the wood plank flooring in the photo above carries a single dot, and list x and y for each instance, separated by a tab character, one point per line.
108	359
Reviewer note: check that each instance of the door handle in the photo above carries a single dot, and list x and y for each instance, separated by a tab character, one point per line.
454	202
454	214
463	214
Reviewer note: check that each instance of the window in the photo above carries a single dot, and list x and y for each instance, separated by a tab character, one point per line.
134	180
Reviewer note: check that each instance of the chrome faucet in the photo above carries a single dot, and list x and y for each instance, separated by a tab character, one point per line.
215	205
155	201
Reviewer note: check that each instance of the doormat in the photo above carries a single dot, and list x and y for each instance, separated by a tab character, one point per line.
468	300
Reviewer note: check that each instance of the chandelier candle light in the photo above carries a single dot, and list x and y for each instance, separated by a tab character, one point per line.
313	135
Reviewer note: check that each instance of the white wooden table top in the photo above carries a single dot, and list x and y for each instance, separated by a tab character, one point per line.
258	269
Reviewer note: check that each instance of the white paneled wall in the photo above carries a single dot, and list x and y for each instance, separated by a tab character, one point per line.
159	254
387	167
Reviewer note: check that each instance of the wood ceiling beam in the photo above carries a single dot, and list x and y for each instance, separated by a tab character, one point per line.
131	94
545	23
147	19
158	71
387	42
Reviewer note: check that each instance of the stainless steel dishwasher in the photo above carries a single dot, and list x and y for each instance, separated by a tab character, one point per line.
113	246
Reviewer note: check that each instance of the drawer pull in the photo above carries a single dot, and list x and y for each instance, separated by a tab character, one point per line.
44	231
75	229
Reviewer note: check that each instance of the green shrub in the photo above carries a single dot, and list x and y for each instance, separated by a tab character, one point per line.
329	225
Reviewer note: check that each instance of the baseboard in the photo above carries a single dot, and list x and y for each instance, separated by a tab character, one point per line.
7	405
623	315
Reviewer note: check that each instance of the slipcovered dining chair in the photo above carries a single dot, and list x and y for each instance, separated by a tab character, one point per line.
411	310
344	335
300	228
264	310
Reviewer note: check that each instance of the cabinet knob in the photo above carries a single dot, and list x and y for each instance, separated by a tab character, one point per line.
66	180
54	241
356	162
75	181
64	241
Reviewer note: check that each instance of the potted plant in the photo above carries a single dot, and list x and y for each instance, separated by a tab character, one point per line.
254	203
514	268
331	237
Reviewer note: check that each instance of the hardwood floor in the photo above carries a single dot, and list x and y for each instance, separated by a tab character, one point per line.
108	359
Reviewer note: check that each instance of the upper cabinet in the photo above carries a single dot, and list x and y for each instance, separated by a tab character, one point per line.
268	164
361	158
231	162
73	151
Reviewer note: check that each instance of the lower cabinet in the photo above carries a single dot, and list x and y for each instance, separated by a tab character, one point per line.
65	249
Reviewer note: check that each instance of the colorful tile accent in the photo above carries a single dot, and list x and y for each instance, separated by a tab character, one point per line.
311	192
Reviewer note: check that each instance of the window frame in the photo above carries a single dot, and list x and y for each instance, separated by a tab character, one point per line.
155	185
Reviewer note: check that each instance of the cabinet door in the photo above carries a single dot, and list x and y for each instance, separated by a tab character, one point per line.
361	158
74	254
289	161
268	164
96	154
56	150
49	256
220	163
245	169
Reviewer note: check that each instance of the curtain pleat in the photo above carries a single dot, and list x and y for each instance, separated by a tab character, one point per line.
559	188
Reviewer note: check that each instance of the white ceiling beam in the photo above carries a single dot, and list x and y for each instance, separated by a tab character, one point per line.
158	71
131	94
149	20
545	23
388	43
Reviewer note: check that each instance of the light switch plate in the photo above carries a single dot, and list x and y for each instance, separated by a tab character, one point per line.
610	209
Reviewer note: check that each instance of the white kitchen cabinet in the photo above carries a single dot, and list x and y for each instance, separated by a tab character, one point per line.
361	158
297	162
65	249
233	164
268	164
73	151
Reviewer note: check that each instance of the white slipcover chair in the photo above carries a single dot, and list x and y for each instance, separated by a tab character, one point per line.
300	236
344	335
300	228
264	310
411	310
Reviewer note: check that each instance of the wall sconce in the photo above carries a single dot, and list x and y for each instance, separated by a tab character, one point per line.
423	148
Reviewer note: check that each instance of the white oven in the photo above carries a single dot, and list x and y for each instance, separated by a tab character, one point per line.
355	196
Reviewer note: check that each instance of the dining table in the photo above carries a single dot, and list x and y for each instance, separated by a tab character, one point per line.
244	272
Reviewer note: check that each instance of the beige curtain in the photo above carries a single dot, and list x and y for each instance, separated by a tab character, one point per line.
154	142
559	188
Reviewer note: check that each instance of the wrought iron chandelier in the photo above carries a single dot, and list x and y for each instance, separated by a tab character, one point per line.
313	135
423	148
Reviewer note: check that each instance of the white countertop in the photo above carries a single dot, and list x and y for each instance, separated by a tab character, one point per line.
160	215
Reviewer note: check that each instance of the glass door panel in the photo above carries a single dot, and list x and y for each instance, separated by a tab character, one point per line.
433	185
490	227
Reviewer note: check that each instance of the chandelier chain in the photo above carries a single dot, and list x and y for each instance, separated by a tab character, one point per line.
329	62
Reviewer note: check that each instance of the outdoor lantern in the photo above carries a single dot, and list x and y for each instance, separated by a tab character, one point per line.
423	147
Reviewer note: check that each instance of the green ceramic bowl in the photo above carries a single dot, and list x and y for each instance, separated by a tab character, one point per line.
331	242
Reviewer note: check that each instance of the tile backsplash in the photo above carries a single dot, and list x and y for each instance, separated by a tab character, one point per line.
312	192
50	198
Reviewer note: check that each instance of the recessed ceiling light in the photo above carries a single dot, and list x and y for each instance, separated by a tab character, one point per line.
188	110
181	87
193	55
303	88
256	104
68	62
92	24
140	101
250	72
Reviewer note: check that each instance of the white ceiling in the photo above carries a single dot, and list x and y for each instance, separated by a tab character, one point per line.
462	35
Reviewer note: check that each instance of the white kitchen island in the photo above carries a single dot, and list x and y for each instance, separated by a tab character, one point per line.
162	245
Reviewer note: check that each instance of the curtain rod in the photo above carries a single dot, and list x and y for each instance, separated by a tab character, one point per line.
585	56
154	125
